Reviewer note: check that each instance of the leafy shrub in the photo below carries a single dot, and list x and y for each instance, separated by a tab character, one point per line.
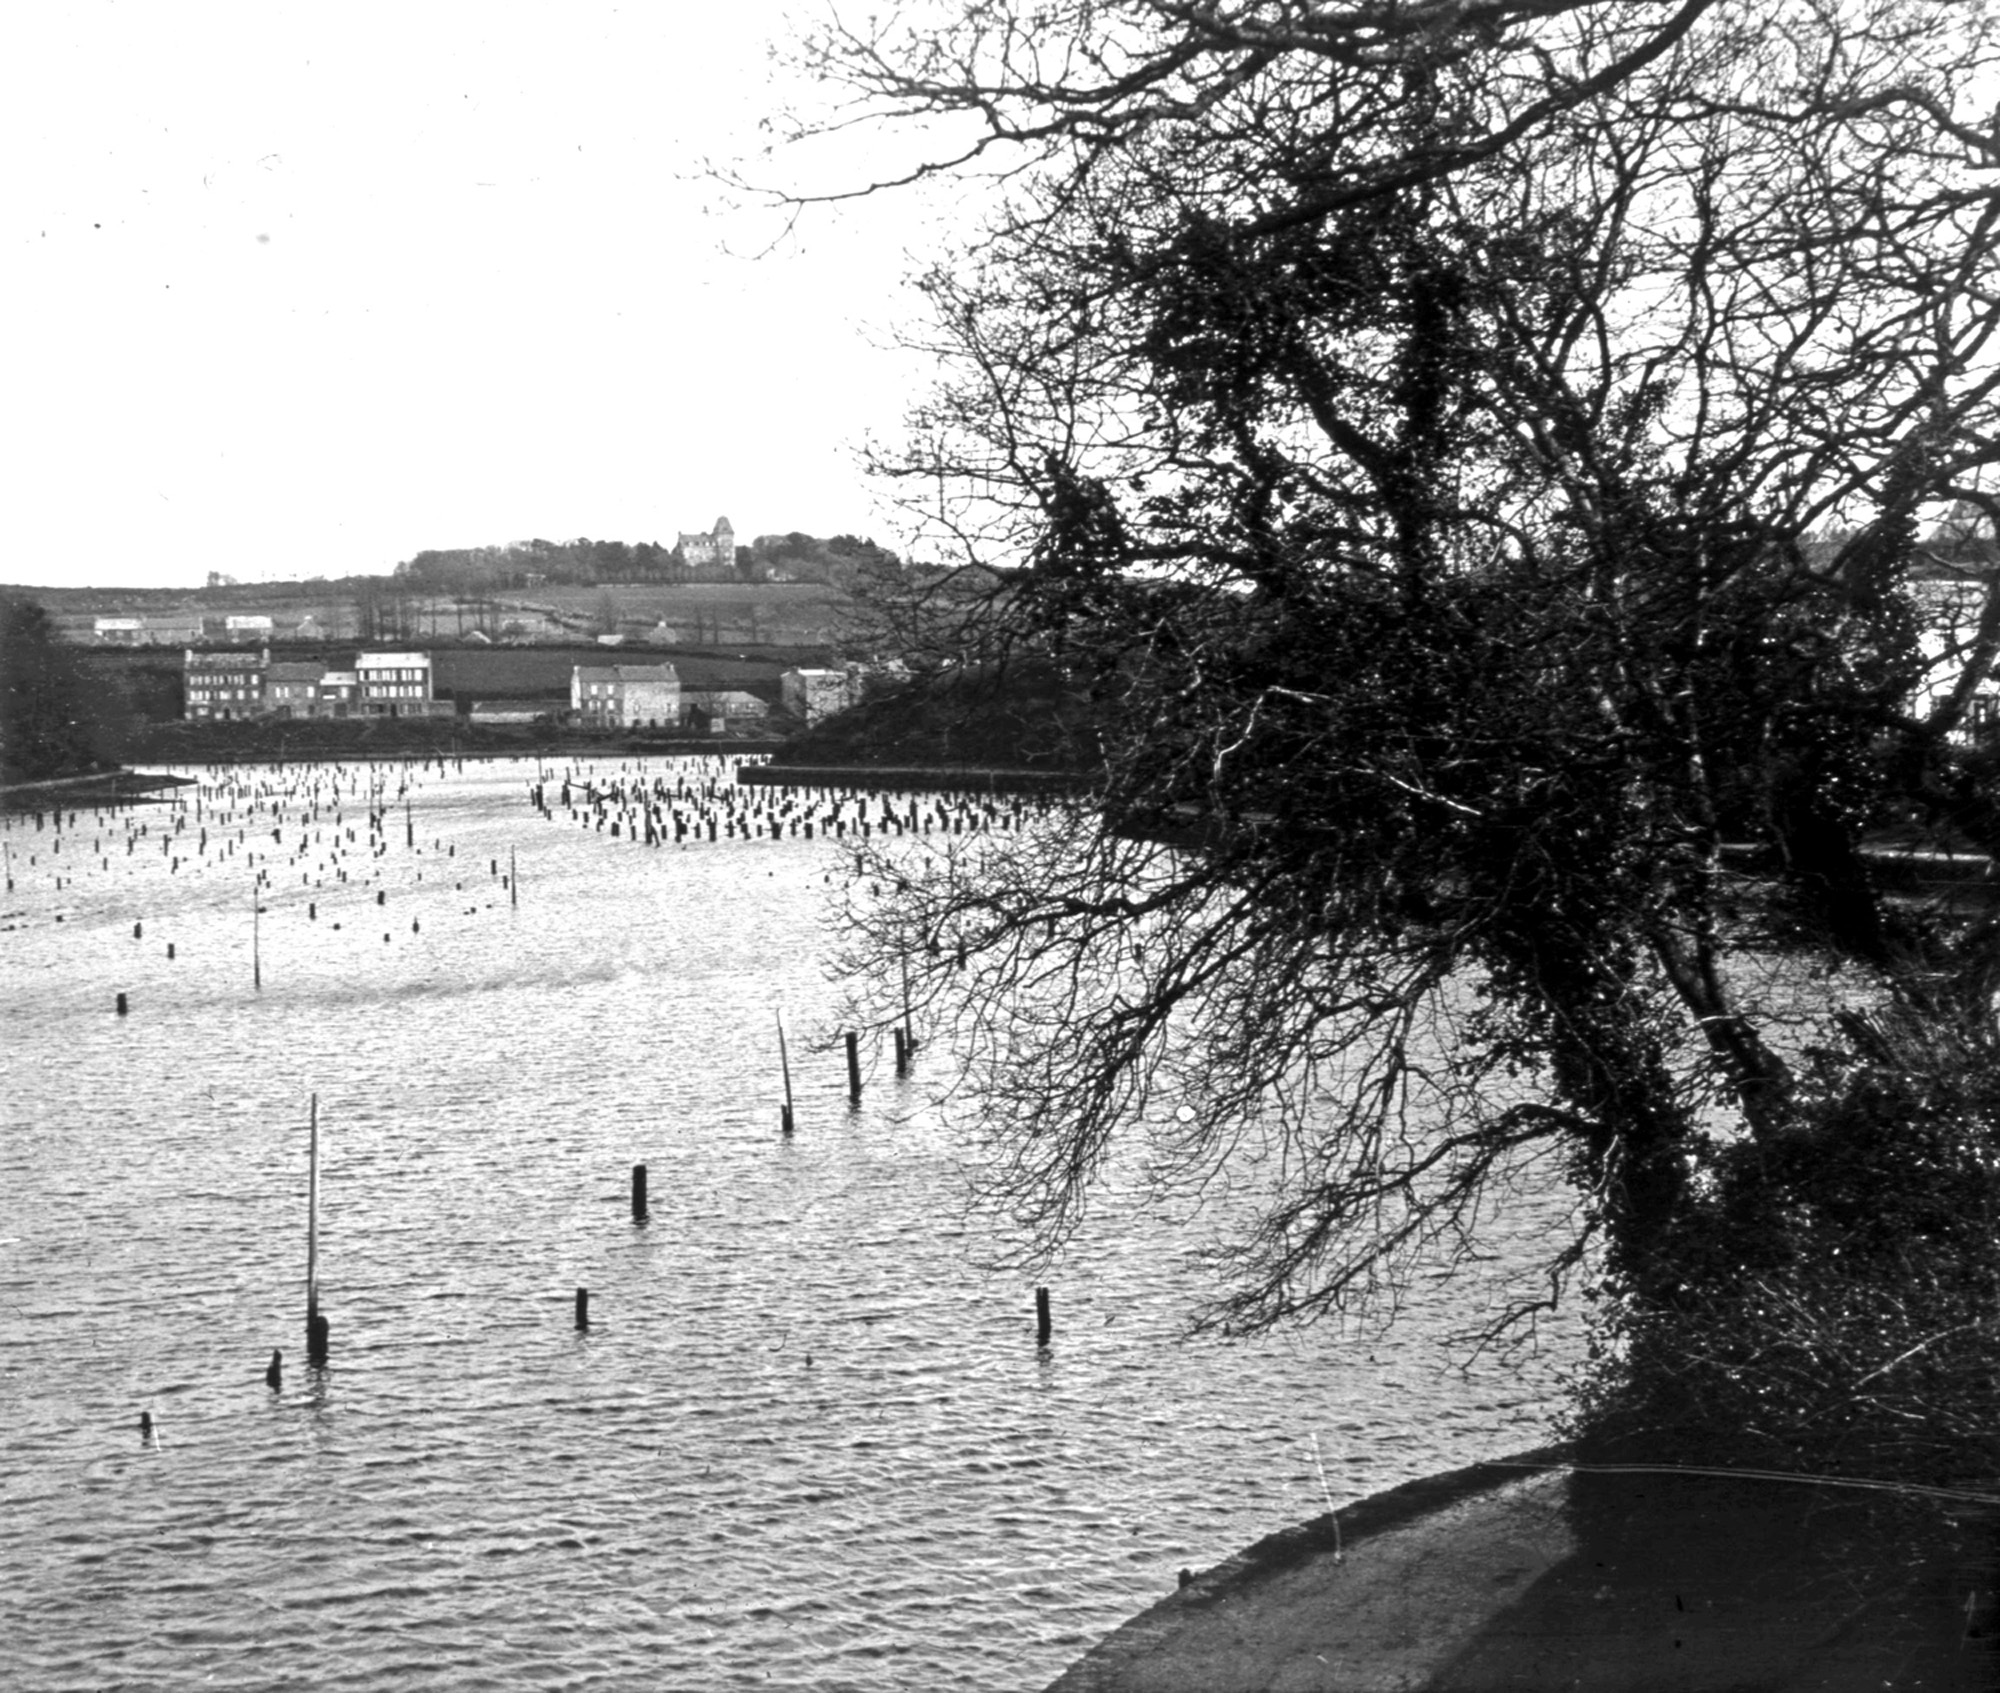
1838	1306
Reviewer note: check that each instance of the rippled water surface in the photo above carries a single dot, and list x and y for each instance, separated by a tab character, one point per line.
807	1441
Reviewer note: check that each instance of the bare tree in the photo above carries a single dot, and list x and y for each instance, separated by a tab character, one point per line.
1405	424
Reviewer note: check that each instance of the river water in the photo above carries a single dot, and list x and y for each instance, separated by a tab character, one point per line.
808	1439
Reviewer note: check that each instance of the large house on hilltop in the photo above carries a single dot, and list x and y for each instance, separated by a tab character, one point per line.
711	554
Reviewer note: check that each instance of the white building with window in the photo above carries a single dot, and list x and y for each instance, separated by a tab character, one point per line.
393	684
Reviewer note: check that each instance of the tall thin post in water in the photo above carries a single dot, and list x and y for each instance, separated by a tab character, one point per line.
256	938
315	1323
312	1214
513	880
785	1064
909	1029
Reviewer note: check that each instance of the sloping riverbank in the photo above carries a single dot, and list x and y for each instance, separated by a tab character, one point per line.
1531	1574
96	789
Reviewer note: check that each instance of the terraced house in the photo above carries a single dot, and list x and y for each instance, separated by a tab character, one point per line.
293	690
626	696
394	684
224	684
234	684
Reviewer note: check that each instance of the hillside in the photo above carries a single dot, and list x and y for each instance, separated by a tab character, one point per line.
1024	715
690	614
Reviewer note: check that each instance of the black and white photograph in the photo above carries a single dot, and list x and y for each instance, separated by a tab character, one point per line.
1040	846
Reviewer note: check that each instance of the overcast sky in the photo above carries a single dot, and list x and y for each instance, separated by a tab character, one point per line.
301	290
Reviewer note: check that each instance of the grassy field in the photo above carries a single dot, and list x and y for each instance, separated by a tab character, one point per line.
694	614
698	613
542	672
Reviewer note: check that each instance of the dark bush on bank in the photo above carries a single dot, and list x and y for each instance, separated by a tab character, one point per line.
1839	1297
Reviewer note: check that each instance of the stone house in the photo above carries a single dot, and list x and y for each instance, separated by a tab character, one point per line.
810	695
717	710
293	690
1950	609
224	684
339	693
624	696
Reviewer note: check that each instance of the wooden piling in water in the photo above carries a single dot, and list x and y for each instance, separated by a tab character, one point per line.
1043	1326
513	880
638	1193
316	1325
121	1005
785	1064
583	1308
853	1068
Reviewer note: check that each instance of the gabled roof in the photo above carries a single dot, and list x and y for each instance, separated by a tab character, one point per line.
625	673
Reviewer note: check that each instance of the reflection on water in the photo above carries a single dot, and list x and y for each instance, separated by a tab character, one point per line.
807	1440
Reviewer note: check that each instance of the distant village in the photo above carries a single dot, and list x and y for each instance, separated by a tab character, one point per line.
233	684
228	671
291	653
